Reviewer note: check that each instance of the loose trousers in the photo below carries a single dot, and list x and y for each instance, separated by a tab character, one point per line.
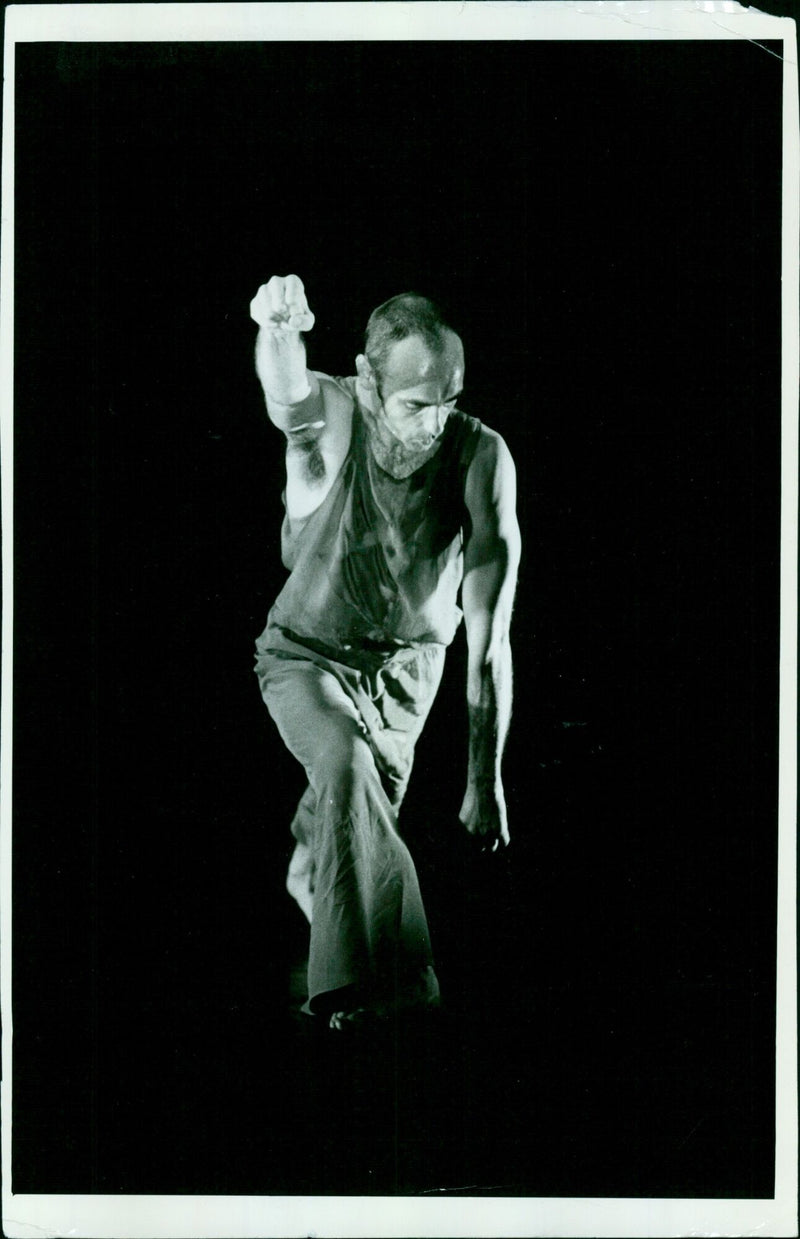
354	733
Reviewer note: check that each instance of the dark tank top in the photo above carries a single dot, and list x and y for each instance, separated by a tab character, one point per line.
379	564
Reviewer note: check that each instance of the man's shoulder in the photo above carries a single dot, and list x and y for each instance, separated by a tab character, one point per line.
487	440
463	430
338	400
333	384
491	443
492	462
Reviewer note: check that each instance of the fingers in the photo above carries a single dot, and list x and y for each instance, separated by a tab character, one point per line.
486	832
487	837
300	320
281	305
300	317
493	843
293	291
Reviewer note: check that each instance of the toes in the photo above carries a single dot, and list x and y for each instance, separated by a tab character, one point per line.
341	1020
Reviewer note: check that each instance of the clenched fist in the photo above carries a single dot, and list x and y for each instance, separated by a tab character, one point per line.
483	812
281	305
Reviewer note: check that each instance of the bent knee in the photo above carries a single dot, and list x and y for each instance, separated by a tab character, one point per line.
344	766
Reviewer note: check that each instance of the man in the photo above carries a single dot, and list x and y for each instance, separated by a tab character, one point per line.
394	500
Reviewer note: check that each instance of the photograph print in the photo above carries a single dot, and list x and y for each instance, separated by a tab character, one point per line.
396	566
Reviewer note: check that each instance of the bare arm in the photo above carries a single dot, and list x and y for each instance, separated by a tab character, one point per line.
491	561
292	392
315	416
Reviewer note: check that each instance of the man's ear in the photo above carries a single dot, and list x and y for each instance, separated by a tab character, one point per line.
364	370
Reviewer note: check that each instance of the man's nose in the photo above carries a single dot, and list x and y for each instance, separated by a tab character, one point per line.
437	411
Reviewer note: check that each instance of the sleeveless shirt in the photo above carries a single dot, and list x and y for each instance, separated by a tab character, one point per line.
378	565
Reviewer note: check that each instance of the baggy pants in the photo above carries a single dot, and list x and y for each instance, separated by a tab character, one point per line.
354	733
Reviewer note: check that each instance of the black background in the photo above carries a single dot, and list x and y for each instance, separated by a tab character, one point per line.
602	223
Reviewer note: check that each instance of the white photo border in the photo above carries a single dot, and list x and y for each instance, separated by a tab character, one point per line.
199	1216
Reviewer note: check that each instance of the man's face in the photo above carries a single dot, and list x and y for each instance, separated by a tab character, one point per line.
418	388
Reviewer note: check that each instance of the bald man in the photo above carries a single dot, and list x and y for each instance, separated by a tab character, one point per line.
395	501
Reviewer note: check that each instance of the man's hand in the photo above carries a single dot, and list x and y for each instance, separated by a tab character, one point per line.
281	311
281	306
483	812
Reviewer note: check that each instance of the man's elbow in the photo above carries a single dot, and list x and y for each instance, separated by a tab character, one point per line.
506	555
296	411
512	540
489	660
497	550
488	629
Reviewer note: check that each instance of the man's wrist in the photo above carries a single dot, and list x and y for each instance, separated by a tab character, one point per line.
485	782
288	396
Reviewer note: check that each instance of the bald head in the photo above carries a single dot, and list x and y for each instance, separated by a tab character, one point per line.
402	317
414	363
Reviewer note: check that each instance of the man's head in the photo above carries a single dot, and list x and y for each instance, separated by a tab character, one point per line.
412	370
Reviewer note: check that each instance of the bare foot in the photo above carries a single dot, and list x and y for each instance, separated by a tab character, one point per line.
361	1017
420	995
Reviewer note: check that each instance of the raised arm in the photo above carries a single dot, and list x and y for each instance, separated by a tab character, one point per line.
491	561
315	416
291	391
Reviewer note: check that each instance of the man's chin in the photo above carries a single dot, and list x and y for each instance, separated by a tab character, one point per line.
399	461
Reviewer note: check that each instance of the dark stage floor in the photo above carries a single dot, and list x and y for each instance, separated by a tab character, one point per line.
572	1097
